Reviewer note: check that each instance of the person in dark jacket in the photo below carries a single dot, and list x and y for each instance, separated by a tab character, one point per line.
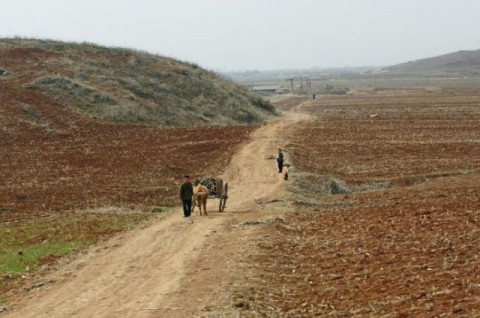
280	160
186	194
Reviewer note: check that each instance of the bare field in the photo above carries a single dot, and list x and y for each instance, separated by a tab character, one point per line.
377	82
68	180
57	161
398	137
410	250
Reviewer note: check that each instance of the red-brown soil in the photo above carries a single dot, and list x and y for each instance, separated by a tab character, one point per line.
394	138
54	160
179	266
400	253
407	251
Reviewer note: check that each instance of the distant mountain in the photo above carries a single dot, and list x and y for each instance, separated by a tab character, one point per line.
461	63
126	86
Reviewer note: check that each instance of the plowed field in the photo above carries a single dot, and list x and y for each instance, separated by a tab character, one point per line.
395	138
54	160
408	249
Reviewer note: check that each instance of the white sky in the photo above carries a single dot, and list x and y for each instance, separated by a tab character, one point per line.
257	34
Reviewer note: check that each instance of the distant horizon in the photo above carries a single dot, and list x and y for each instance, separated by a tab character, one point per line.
229	71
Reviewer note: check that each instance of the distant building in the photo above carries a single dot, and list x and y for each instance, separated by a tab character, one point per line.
269	90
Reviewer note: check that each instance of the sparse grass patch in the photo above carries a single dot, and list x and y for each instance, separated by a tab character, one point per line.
31	256
31	112
27	246
162	209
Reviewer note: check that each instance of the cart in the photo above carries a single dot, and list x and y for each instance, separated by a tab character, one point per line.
217	189
221	193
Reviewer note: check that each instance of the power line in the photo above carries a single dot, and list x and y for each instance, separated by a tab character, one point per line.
291	85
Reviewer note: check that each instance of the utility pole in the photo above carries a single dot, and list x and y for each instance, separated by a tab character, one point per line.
307	87
310	94
291	85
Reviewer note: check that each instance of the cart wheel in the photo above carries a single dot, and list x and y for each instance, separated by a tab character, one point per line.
219	187
223	201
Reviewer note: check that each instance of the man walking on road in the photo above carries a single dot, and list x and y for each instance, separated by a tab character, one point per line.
280	160
186	194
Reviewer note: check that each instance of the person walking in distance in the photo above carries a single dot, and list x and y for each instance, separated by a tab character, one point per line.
280	160
186	194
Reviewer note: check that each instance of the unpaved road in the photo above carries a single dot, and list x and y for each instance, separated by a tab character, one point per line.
175	266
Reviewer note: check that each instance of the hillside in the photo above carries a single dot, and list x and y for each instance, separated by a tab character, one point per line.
67	178
462	63
127	86
57	153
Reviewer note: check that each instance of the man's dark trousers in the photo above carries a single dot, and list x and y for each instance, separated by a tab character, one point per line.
280	165
187	207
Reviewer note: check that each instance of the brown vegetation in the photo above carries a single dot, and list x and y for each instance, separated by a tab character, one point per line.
127	86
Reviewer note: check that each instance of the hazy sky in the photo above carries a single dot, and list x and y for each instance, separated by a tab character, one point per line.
257	34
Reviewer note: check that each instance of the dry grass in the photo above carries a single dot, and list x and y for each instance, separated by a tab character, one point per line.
127	86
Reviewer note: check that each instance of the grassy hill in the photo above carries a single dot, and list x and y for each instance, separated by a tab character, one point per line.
127	86
462	63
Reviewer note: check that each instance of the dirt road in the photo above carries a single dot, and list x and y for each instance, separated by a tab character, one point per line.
171	268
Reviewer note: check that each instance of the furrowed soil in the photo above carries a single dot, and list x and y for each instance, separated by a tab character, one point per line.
57	161
175	267
380	217
68	181
385	212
